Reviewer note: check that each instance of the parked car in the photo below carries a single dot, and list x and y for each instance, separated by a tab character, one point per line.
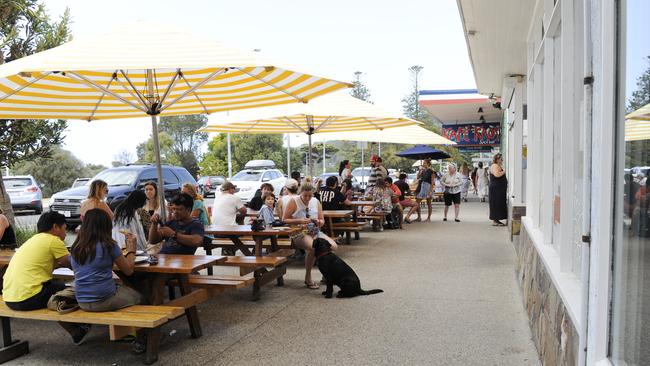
80	182
24	192
208	185
356	186
362	175
248	181
121	181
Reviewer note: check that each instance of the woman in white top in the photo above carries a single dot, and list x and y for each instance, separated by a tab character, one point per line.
482	182
452	182
291	191
345	171
128	220
305	210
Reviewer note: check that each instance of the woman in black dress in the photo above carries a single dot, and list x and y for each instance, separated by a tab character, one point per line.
498	192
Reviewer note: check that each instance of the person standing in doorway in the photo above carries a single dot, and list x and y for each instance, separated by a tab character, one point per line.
464	188
498	192
452	182
482	182
425	186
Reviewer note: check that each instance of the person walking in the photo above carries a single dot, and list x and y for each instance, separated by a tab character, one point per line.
464	176
498	192
452	182
425	187
482	181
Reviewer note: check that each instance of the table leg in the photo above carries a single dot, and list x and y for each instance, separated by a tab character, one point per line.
258	245
274	243
239	245
331	227
191	312
11	348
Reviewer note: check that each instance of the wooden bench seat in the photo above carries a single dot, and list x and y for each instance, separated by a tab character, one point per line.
349	227
139	316
216	284
264	269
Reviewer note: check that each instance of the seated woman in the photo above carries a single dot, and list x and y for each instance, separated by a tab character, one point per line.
7	234
96	199
304	210
129	217
93	255
198	208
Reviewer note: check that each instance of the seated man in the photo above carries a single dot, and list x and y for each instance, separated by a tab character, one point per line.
330	197
394	199
226	206
28	283
183	233
404	202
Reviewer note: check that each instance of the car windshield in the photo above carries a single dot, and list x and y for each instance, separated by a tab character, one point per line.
17	182
118	177
358	172
80	182
247	175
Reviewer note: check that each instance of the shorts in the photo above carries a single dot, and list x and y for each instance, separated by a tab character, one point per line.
452	197
408	203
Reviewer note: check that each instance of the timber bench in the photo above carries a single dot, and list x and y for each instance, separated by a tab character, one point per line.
247	242
264	269
376	217
138	316
348	227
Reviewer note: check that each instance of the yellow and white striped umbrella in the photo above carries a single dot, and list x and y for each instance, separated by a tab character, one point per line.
148	69
335	112
637	124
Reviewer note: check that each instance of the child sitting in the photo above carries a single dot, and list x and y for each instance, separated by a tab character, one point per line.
266	211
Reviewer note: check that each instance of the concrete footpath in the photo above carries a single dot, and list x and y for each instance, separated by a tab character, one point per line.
450	299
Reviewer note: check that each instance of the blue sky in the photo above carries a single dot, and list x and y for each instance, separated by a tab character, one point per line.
638	42
332	38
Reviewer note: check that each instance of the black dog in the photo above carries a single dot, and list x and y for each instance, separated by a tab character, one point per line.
337	272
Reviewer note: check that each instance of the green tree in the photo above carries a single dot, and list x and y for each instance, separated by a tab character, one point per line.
641	96
246	147
317	156
182	145
359	90
56	172
92	170
26	28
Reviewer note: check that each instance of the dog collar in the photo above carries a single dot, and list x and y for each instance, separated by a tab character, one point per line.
322	254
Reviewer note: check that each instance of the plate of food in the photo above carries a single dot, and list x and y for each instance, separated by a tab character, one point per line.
141	258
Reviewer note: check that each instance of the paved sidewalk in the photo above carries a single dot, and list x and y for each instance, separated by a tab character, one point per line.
450	299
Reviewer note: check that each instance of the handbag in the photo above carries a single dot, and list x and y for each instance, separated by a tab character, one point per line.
64	301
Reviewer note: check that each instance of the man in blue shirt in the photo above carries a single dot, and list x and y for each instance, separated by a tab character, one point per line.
183	234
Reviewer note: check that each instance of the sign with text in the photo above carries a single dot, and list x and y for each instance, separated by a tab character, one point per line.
479	134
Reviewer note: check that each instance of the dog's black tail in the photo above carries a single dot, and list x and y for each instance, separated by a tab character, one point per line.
370	292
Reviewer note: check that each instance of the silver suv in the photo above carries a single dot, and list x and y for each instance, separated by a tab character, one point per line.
24	192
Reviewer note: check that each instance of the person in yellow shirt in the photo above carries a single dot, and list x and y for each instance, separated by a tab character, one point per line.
28	283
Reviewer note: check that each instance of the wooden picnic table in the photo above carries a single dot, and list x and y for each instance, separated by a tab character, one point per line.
335	214
170	266
234	232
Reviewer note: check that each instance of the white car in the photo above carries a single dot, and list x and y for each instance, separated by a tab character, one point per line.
248	181
362	175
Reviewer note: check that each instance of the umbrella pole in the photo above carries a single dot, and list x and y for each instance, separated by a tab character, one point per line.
161	182
229	158
323	157
288	155
309	162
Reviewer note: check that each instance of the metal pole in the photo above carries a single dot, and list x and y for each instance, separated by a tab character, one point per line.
288	155
363	176
379	149
309	162
323	157
229	157
156	146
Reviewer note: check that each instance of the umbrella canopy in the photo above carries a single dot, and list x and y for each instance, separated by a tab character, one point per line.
336	112
420	152
413	134
148	69
637	124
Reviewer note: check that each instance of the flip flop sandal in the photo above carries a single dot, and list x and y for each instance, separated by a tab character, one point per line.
312	286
